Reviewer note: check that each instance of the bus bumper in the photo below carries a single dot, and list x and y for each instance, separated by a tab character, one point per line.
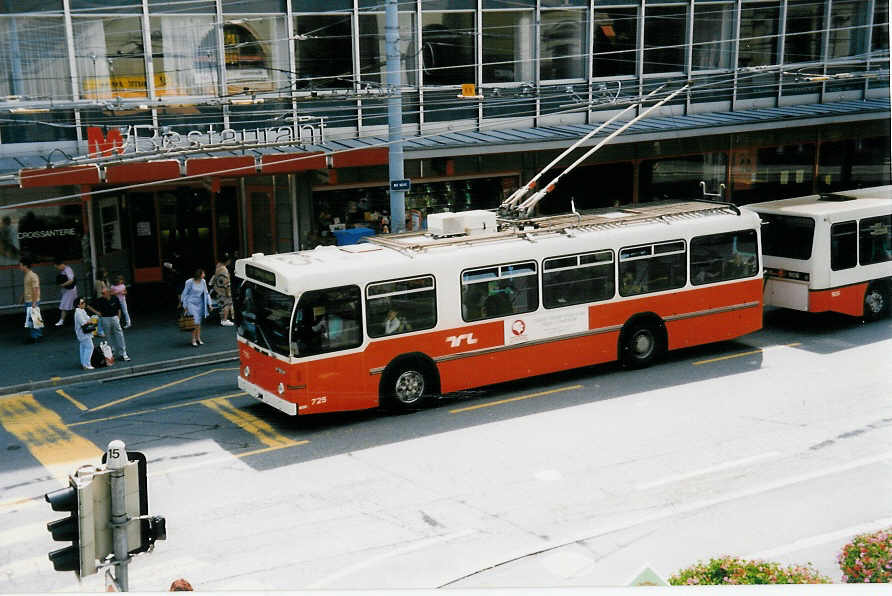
268	398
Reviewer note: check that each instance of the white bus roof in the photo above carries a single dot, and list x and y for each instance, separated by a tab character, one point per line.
414	253
860	202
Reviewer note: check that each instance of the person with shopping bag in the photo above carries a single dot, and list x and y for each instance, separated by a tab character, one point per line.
109	310
31	299
83	331
196	302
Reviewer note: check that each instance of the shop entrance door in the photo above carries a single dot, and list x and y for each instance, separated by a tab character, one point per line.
184	222
262	220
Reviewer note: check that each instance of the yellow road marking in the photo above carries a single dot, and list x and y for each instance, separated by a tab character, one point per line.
149	411
741	354
76	403
159	388
518	398
254	425
46	436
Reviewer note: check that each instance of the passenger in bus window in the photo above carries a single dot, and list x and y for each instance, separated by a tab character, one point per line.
393	323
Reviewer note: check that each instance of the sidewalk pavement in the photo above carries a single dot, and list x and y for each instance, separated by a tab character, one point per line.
154	343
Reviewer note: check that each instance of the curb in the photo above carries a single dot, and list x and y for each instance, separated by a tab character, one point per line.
117	372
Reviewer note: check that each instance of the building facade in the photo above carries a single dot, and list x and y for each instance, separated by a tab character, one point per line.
139	133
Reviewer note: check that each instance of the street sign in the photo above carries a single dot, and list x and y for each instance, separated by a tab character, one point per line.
400	184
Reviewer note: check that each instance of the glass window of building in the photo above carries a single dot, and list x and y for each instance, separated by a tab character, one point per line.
680	177
848	29
880	37
447	48
665	33
562	44
854	164
110	56
507	46
777	172
373	49
184	54
713	33
802	42
758	34
615	41
256	54
323	51
34	58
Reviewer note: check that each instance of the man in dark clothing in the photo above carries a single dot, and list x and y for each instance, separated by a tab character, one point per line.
108	307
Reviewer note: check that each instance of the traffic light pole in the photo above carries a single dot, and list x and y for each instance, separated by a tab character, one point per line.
117	460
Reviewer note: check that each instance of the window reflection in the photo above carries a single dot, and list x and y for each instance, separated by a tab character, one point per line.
447	48
184	54
713	32
322	51
664	38
34	57
562	44
373	48
110	56
804	25
507	46
615	40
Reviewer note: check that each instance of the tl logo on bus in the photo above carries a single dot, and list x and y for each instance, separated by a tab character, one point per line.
456	340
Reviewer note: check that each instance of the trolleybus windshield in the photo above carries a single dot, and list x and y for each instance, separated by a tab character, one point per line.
263	316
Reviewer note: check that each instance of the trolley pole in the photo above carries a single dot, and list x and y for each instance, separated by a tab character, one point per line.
117	460
393	70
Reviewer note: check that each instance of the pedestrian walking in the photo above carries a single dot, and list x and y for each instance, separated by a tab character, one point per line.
109	310
31	299
196	301
221	286
119	289
68	284
83	331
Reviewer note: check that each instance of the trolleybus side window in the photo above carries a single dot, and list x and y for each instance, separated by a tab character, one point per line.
652	268
400	306
787	236
327	320
843	245
875	235
577	279
722	257
262	316
499	290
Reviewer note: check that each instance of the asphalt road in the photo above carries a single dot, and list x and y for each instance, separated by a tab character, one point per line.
775	446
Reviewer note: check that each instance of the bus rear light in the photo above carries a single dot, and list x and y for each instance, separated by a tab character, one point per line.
247	372
281	388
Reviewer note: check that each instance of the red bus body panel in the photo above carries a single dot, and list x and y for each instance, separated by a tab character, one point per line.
848	300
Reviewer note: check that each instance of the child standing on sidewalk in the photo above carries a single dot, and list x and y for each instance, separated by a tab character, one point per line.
120	290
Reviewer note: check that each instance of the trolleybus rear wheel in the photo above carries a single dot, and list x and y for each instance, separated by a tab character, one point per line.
642	343
876	301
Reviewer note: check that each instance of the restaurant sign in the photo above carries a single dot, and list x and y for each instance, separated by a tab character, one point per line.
138	138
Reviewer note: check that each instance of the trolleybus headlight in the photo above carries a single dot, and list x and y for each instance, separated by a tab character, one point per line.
247	371
281	388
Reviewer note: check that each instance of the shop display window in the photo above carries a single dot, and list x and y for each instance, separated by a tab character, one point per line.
759	174
680	177
43	233
854	164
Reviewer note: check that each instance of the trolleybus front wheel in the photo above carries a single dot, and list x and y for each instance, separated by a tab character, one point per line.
407	386
876	301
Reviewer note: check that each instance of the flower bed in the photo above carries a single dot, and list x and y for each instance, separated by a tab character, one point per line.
734	570
867	558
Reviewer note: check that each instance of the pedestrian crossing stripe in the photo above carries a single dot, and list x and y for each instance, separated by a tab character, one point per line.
47	437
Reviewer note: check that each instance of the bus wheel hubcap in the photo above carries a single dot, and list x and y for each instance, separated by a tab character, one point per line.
642	344
409	386
875	302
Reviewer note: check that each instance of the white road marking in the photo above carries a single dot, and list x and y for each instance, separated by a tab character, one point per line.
377	559
820	539
709	470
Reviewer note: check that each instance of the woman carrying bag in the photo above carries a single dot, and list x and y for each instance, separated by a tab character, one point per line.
83	331
196	301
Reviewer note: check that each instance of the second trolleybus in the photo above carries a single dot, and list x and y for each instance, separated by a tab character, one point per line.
478	299
829	252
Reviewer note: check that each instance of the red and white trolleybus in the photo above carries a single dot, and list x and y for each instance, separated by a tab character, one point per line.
480	299
829	252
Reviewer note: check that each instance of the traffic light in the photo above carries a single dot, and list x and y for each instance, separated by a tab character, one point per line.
79	527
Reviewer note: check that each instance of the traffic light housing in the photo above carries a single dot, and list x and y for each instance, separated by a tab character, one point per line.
79	527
